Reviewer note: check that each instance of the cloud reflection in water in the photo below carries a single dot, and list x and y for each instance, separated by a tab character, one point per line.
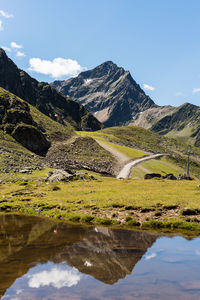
55	277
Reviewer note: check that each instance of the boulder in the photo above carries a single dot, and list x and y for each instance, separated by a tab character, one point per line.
58	175
31	138
61	175
14	116
152	175
170	177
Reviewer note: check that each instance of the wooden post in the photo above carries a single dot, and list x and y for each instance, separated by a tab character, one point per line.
188	165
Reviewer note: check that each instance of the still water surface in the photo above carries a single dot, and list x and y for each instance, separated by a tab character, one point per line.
40	259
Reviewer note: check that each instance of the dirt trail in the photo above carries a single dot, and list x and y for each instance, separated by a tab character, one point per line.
124	161
121	158
125	171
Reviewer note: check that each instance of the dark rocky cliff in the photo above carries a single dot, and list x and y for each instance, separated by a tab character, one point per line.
16	120
44	97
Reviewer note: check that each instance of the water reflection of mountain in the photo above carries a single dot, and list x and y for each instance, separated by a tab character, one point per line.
106	254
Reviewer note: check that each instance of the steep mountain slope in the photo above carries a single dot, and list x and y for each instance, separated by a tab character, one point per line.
150	116
109	92
183	122
24	130
44	97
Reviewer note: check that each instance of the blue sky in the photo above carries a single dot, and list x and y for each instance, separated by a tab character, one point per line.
156	40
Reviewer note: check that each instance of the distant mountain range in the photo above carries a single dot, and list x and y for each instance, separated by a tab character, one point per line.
115	99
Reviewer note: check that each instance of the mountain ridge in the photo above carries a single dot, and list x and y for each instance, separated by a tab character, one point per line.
109	92
44	97
114	97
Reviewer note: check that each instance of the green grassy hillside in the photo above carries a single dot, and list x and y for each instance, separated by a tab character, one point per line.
143	140
182	123
15	112
65	148
162	166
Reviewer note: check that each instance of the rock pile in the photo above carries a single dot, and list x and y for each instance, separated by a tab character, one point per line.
57	175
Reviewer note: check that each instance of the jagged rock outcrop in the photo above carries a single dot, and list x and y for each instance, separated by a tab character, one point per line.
109	92
16	120
31	138
44	97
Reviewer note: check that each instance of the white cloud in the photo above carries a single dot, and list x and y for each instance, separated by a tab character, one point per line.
20	54
150	256
57	68
196	90
6	48
15	45
5	14
148	87
1	26
197	252
56	277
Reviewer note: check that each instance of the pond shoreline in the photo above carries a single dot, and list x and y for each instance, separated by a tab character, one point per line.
144	204
169	228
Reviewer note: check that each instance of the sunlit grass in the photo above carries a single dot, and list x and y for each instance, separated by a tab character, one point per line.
128	151
162	166
84	197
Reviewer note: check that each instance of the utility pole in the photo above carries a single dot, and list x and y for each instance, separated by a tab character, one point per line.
188	164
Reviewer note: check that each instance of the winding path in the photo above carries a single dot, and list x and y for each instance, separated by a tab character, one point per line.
124	160
125	171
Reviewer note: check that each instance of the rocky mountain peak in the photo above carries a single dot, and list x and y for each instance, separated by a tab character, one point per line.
106	68
109	92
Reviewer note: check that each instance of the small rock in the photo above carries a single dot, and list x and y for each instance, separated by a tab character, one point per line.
189	212
26	170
